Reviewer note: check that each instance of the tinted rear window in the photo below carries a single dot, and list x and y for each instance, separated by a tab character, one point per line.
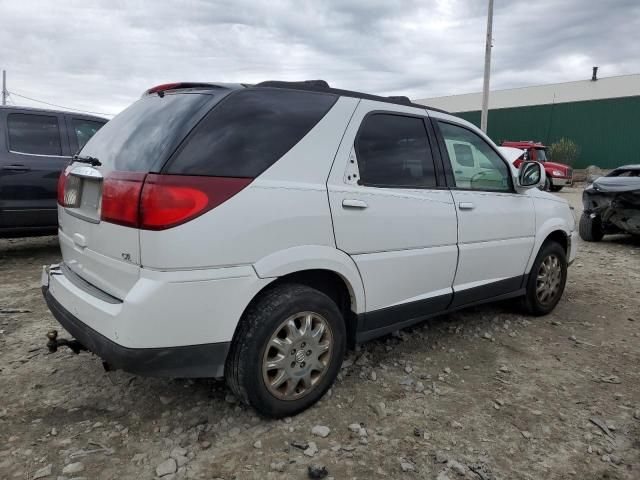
249	131
35	134
142	137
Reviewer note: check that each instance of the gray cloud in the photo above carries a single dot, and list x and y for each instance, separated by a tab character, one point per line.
102	55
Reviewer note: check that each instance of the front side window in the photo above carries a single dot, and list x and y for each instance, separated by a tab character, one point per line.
542	155
84	130
34	134
476	166
394	151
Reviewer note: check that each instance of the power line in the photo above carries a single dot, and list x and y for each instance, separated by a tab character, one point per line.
58	106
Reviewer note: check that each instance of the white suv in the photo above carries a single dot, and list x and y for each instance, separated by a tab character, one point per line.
253	232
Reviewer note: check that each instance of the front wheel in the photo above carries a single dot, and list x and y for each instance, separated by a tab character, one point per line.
590	228
547	280
288	350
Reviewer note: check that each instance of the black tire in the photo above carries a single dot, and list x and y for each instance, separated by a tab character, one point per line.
590	229
262	320
556	189
531	302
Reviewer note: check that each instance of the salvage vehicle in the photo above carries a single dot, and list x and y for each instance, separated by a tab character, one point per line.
35	146
558	175
254	232
612	204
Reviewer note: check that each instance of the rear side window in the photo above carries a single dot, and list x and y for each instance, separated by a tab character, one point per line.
249	131
143	136
84	130
34	134
394	151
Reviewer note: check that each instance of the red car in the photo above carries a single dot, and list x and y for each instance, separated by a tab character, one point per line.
558	174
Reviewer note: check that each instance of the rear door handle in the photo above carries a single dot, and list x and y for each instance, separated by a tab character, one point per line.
459	172
16	168
350	203
466	206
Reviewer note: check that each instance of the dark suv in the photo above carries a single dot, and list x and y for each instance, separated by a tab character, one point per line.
35	146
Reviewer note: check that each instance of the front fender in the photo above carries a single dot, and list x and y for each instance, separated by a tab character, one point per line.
548	226
315	257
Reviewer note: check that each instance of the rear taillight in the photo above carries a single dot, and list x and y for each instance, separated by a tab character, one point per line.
157	202
121	198
169	200
62	179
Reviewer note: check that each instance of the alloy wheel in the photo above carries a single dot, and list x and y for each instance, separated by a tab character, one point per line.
549	279
297	355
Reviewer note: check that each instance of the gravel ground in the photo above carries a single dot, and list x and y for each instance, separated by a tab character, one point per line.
485	393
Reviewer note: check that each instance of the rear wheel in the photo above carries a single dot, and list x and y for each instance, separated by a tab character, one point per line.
547	280
590	228
555	188
288	350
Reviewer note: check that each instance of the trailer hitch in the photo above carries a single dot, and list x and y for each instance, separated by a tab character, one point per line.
54	342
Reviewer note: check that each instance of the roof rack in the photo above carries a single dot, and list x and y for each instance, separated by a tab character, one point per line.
400	99
323	86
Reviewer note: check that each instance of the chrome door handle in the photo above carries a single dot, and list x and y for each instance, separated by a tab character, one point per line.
350	203
16	168
466	206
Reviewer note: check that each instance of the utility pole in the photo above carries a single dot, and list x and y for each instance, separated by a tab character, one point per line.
4	87
487	70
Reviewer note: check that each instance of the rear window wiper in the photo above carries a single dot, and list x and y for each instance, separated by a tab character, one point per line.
93	161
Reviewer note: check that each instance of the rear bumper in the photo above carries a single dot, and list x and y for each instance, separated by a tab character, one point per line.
177	323
561	182
185	361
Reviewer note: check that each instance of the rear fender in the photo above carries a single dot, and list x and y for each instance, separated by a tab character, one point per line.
315	257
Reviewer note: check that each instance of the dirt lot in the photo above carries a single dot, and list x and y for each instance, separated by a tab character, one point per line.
485	393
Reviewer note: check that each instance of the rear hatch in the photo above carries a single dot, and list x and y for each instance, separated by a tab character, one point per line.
99	191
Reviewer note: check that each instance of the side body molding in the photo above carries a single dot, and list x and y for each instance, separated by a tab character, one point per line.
315	257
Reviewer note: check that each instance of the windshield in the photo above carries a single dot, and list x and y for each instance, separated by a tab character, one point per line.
542	154
625	173
141	138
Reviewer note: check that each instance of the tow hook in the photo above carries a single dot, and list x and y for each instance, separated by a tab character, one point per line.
53	343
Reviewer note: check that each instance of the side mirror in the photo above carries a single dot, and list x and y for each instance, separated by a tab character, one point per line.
530	175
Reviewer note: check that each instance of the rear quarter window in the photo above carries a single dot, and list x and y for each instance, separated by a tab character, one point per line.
249	131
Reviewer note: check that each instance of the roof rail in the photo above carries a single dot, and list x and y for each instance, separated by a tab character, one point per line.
323	86
302	83
401	99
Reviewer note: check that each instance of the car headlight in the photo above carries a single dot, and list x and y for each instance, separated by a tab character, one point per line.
557	173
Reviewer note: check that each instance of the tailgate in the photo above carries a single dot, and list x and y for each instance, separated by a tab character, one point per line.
102	253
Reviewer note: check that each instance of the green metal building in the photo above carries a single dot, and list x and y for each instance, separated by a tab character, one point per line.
602	116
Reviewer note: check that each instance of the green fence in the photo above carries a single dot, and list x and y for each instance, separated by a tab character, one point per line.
607	131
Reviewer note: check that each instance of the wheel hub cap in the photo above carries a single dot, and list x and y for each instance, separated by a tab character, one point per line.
297	355
549	279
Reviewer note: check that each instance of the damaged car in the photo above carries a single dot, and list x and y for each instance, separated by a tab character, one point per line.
612	204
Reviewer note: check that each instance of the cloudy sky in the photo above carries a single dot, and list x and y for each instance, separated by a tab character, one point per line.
101	55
